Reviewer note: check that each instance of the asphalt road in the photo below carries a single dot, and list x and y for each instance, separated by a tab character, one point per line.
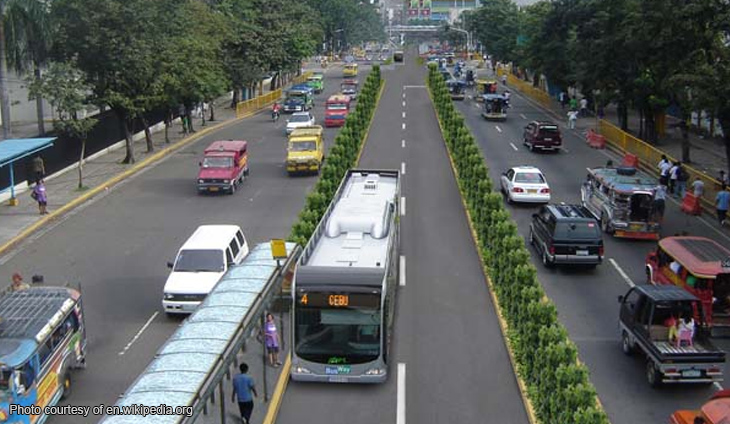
446	333
117	245
587	300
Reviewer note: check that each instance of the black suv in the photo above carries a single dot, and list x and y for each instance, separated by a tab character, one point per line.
566	234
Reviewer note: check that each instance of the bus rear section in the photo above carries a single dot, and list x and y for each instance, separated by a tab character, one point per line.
42	339
344	284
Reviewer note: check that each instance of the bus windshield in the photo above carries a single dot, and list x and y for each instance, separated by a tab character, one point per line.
337	336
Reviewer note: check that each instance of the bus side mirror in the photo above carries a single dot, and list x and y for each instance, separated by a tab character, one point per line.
620	299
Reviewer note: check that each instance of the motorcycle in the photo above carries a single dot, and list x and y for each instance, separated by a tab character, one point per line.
275	114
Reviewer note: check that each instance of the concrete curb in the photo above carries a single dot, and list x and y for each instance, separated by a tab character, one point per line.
116	179
278	395
529	409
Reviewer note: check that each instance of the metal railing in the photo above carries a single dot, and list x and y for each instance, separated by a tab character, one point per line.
649	156
257	103
527	88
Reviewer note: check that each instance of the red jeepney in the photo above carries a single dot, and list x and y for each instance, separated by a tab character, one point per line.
224	166
336	110
699	265
715	411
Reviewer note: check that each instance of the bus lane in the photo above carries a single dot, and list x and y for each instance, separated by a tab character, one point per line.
587	299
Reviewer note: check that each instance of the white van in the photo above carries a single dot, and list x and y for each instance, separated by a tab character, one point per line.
200	264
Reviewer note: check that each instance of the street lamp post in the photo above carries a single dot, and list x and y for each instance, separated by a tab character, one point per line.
468	38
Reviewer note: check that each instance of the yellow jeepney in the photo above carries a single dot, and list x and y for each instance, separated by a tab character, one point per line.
350	70
305	150
484	86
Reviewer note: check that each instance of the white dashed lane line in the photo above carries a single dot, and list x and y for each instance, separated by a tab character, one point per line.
404	126
514	147
402	271
522	115
403	168
403	206
403	144
139	333
621	272
498	129
404	115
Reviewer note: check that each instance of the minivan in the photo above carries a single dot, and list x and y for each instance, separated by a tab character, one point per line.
200	263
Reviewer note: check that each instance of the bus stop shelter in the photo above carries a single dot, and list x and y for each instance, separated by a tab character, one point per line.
13	150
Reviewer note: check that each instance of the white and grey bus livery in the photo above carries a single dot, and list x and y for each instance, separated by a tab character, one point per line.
344	284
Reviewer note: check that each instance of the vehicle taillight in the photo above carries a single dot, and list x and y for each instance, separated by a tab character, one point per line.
517	190
714	371
600	251
551	249
545	191
670	371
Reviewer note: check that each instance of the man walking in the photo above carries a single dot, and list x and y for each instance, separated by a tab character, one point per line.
572	117
583	107
722	203
243	388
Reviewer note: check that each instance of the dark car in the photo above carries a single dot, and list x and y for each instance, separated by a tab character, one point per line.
543	135
566	234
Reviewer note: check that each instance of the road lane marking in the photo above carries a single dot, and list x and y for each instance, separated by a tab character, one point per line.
403	143
404	104
139	333
403	126
717	385
404	93
498	129
513	146
403	206
476	106
565	149
401	397
402	271
404	115
413	86
621	273
403	168
522	115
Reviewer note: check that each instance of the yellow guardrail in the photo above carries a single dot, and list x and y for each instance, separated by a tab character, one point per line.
525	87
649	157
247	106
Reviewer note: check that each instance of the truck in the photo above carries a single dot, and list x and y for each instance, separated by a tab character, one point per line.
336	110
714	411
305	151
648	323
223	167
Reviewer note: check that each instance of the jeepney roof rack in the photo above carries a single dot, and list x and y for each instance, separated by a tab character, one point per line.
25	313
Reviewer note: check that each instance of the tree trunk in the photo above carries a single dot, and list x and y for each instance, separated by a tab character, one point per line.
189	114
623	116
4	94
684	128
712	124
126	124
212	111
81	162
650	127
236	97
39	103
641	123
168	123
724	119
147	134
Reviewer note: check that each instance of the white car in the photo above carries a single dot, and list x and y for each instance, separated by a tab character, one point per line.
298	120
525	184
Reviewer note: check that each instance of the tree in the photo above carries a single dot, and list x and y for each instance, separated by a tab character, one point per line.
64	87
495	25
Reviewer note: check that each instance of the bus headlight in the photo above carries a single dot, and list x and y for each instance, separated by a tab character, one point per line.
301	370
375	371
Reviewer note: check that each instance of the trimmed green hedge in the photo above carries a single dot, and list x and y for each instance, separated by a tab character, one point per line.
547	360
342	156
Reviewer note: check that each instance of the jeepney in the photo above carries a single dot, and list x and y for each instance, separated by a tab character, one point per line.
485	86
316	81
495	107
622	201
456	89
349	87
305	151
350	70
299	98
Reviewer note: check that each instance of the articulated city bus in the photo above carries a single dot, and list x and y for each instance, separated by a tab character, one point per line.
42	338
344	285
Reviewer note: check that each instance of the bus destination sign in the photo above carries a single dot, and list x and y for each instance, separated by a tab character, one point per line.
338	300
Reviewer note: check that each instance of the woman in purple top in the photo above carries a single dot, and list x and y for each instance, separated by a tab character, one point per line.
39	194
271	336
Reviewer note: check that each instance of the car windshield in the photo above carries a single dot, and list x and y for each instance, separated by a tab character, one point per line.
296	95
302	146
529	178
194	260
299	118
349	86
336	106
580	230
217	162
337	336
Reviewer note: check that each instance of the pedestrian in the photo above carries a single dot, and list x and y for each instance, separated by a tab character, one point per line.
39	195
18	283
39	168
664	167
572	117
504	79
563	98
723	178
573	103
698	187
722	203
272	340
682	178
673	177
660	197
583	107
243	388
